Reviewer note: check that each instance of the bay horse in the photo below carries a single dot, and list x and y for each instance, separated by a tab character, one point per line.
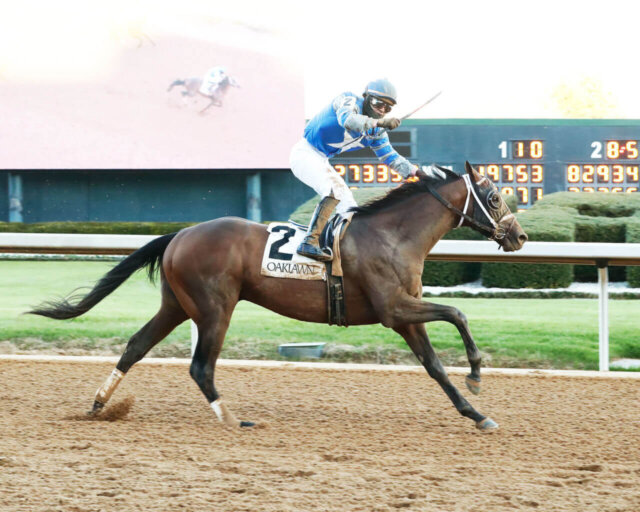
207	268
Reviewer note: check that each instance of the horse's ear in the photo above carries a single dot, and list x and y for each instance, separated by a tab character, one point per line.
471	171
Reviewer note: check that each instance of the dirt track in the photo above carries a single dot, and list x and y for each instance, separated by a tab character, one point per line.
327	440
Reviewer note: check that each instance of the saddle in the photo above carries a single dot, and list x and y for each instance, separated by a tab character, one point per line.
330	241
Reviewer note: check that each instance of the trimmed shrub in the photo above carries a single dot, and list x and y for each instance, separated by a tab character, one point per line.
119	228
600	204
604	230
526	275
452	273
600	229
633	237
549	224
542	225
600	217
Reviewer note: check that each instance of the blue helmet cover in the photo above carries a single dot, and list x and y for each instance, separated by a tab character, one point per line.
383	89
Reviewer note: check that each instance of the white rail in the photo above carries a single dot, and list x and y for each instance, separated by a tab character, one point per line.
603	255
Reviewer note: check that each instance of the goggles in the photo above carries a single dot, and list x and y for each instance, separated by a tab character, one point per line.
380	105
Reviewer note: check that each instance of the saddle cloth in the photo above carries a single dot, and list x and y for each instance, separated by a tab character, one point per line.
280	258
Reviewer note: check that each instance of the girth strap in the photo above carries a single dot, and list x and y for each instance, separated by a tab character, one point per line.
336	311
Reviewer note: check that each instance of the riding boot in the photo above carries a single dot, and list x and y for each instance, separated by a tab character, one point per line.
310	246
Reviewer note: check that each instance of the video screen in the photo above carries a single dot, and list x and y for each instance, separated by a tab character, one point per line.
143	85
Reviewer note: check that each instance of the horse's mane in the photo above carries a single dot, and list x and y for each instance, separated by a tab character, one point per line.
434	177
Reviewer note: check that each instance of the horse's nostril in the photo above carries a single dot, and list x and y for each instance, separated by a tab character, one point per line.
523	238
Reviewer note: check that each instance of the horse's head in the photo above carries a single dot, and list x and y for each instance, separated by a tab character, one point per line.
490	214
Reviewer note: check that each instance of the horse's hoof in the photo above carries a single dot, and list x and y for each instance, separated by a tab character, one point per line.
473	385
487	425
97	407
247	424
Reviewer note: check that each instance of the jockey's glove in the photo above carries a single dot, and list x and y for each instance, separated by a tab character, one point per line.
390	123
402	166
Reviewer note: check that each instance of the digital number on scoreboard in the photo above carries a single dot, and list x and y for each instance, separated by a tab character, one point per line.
524	159
368	174
519	171
612	167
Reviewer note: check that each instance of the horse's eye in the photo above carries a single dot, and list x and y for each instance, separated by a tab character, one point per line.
493	199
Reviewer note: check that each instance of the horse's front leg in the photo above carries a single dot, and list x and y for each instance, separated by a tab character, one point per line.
211	103
416	337
214	100
410	310
456	317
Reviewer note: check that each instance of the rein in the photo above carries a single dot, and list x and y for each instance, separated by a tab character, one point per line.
495	232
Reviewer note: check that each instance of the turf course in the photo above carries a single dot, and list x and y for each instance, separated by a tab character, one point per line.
545	333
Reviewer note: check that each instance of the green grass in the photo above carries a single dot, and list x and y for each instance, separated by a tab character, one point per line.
552	333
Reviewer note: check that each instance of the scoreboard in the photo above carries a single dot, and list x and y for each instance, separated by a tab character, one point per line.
525	158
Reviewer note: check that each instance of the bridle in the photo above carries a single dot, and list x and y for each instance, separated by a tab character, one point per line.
495	231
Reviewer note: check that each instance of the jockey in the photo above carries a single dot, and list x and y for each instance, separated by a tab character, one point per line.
350	122
212	79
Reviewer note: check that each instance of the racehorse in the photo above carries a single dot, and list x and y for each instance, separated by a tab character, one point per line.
207	268
192	87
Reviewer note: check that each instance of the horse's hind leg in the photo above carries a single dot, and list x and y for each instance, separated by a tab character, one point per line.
416	337
212	328
169	316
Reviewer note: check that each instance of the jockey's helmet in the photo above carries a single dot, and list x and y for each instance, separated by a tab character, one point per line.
382	94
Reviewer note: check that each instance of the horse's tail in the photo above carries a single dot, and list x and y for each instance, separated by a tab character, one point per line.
75	304
174	83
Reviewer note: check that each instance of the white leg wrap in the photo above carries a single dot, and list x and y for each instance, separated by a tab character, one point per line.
106	390
224	414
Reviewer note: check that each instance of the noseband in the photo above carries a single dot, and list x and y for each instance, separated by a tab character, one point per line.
493	232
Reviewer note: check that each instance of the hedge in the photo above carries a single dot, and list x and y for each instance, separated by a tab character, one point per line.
601	218
109	228
633	236
603	230
541	225
567	216
451	273
600	204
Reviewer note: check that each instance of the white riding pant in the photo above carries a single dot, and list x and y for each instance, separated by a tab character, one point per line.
211	81
312	168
